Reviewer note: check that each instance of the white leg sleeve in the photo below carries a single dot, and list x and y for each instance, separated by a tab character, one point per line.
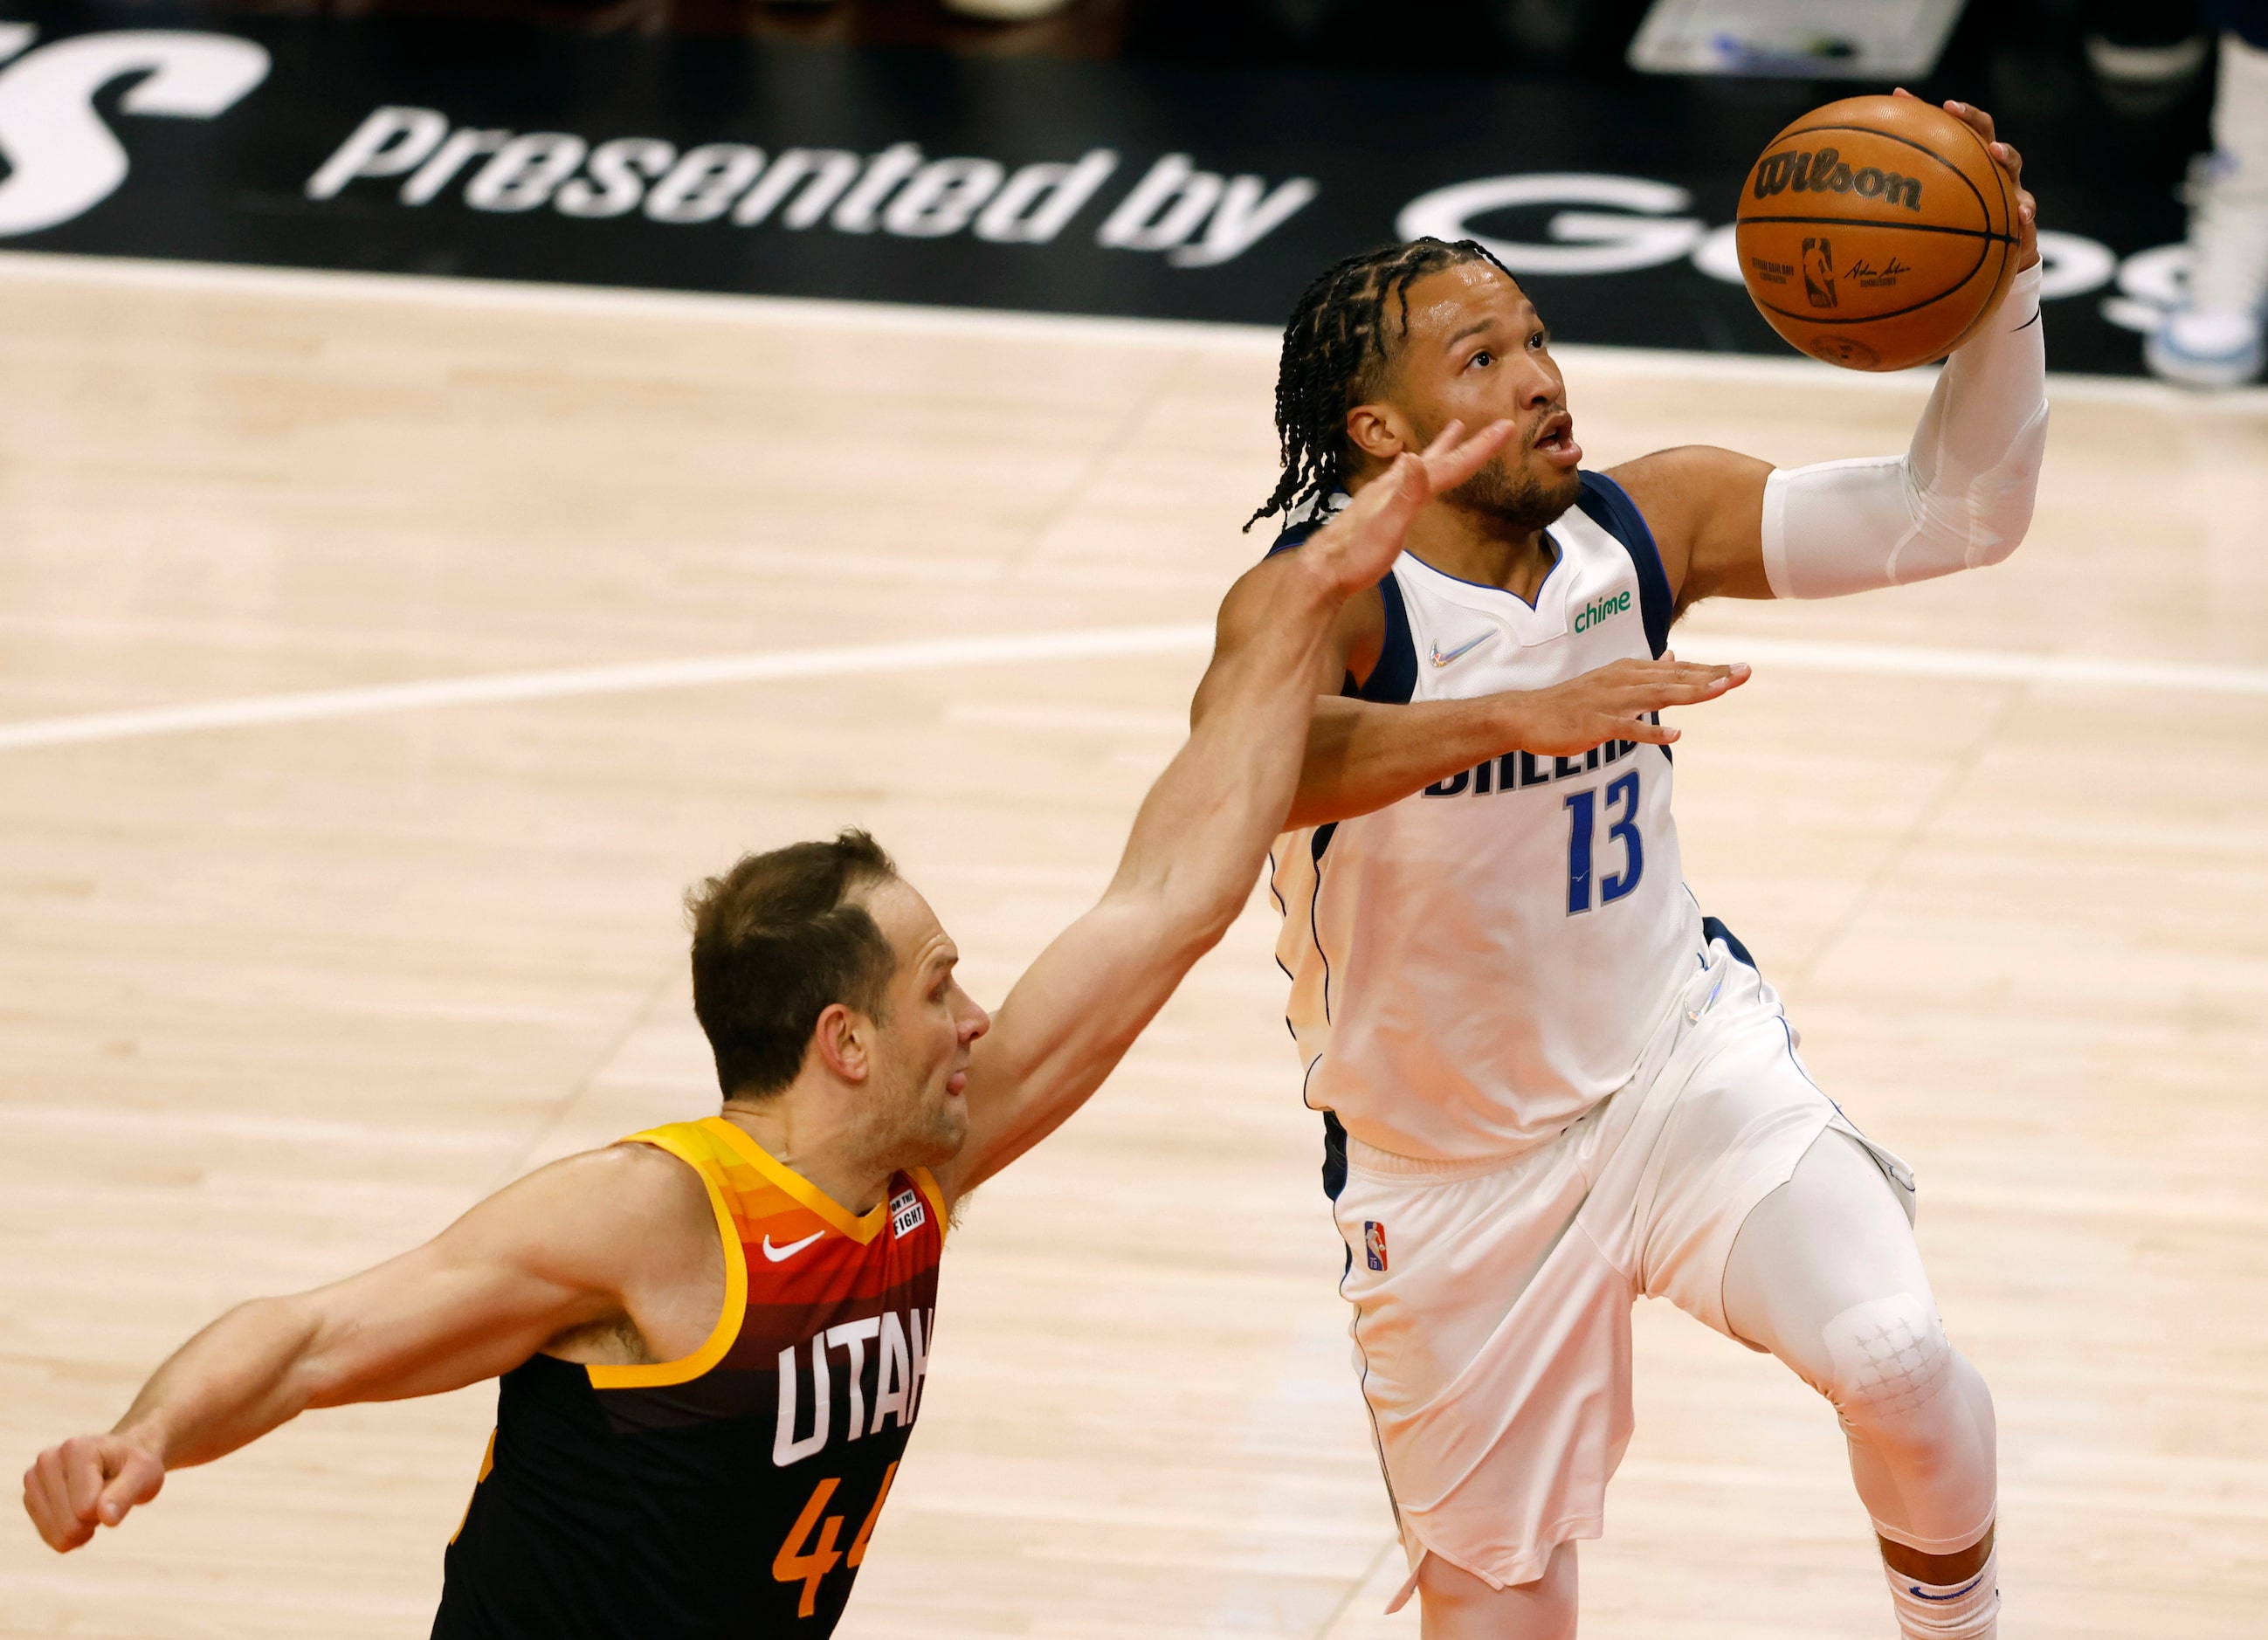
1962	496
1826	1276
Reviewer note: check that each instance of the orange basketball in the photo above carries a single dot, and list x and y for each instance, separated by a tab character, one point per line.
1875	232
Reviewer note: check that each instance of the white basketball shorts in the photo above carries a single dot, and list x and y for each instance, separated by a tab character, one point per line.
1492	1298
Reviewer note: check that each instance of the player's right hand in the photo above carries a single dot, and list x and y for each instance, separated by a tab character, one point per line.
2004	156
1613	702
1361	541
86	1481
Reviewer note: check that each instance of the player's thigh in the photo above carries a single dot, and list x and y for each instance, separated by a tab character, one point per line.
1436	1264
1745	1113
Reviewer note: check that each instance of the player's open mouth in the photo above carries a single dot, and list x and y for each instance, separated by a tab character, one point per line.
1554	440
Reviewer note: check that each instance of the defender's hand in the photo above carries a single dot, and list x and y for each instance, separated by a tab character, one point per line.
1612	703
1357	548
86	1481
2009	159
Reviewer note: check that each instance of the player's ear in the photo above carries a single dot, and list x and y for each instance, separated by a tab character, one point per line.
1378	431
843	1040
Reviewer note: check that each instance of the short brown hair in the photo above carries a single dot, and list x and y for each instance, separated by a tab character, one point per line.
775	940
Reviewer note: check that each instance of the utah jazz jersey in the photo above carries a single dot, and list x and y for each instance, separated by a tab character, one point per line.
731	1493
1475	966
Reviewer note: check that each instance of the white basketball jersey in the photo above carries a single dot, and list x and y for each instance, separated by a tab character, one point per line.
1475	966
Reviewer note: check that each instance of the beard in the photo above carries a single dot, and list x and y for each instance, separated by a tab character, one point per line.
907	1123
1520	501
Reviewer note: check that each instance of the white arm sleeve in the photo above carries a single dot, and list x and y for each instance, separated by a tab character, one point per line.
1962	496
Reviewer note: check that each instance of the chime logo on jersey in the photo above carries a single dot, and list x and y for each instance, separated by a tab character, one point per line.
1373	1244
1599	608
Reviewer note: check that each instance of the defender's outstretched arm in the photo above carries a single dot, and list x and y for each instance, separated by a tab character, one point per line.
559	1250
1959	499
1201	834
1363	755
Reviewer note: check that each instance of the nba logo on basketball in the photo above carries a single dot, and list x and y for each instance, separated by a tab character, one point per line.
1373	1243
1819	272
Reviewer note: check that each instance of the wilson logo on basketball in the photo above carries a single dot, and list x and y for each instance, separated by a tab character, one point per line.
1825	173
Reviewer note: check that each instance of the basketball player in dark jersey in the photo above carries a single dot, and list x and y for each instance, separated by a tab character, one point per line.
713	1337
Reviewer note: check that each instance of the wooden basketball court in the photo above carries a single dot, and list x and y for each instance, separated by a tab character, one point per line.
289	977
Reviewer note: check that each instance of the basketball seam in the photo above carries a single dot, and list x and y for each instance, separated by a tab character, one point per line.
2007	255
1919	148
1883	222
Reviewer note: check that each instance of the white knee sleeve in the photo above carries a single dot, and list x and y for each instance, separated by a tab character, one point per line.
1890	1359
1826	1276
1918	1420
1960	498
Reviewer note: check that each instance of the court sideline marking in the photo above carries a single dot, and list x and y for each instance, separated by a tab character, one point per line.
989	324
1965	665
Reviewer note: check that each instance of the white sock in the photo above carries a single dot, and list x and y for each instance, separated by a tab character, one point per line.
1967	1610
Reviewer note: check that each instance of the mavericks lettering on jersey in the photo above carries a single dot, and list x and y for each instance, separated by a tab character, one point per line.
1516	770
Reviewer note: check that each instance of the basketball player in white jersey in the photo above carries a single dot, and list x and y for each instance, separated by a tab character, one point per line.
1550	1083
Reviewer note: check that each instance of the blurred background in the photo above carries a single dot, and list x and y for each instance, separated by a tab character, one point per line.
1161	158
361	354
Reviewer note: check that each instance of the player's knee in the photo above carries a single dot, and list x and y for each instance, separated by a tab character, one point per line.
1890	1363
1458	1606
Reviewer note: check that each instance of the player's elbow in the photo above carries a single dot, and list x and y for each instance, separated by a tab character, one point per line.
312	1353
2004	493
1981	526
1198	915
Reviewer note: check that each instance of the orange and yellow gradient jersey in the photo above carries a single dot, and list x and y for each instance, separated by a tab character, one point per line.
731	1493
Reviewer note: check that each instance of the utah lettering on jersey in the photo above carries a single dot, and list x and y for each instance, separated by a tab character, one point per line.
901	1367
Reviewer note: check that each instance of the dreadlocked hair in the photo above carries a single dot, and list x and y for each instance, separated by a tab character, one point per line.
1335	348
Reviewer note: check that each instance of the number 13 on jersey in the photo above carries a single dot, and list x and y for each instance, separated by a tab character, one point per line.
1585	888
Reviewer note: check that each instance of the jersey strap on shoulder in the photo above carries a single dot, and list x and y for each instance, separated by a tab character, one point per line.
691	1142
1394	680
1607	504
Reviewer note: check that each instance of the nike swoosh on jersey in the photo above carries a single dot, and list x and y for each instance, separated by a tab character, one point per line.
1470	644
793	1247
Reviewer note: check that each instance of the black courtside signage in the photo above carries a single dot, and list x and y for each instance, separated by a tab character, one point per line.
1115	189
1194	218
64	159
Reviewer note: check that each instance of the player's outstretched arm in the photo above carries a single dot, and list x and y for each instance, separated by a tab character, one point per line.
557	1251
1201	834
1960	497
1363	755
